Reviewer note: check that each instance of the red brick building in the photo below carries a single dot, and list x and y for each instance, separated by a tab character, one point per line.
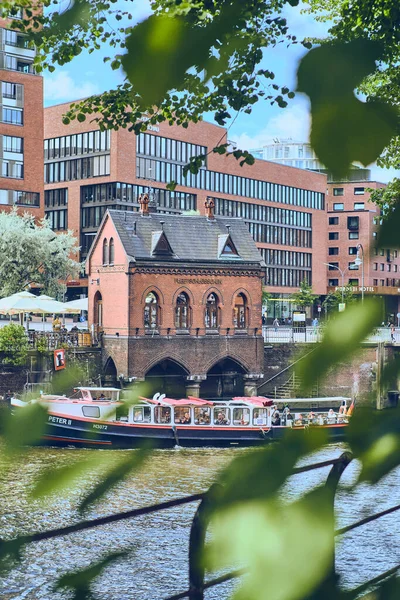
21	124
352	228
87	172
177	301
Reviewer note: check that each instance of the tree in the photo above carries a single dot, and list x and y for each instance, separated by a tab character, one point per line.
304	297
31	253
13	344
206	59
333	299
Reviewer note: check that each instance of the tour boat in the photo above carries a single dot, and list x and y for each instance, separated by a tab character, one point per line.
96	417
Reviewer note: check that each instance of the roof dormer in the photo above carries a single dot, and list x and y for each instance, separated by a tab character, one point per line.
226	247
160	245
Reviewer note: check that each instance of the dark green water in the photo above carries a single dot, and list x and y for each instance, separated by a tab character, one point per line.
157	565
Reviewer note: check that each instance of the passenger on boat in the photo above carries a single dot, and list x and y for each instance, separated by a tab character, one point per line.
331	416
299	420
221	419
342	409
289	416
204	418
102	397
276	419
186	418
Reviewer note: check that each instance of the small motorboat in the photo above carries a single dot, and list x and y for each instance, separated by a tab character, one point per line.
97	417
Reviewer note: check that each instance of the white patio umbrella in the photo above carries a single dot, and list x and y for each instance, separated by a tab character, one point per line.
25	302
76	306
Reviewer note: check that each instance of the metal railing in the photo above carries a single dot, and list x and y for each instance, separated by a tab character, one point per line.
52	340
312	335
200	522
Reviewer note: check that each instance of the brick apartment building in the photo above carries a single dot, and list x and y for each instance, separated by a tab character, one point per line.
353	222
177	300
21	124
88	171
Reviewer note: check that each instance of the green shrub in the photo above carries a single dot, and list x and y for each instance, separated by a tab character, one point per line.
13	344
41	345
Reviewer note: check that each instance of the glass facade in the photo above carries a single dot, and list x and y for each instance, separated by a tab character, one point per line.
267	223
165	169
55	203
20	198
286	268
78	168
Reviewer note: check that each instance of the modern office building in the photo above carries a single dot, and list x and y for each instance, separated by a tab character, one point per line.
88	171
352	228
21	124
301	155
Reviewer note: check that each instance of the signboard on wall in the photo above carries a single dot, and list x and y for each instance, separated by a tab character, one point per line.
59	359
299	317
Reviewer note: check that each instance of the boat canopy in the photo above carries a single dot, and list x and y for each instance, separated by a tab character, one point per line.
191	401
97	389
260	401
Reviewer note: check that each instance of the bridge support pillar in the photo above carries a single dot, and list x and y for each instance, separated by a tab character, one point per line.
250	384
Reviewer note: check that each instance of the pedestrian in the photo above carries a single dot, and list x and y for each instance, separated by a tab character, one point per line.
264	319
276	324
315	324
392	332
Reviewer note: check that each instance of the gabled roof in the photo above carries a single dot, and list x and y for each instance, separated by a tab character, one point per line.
190	238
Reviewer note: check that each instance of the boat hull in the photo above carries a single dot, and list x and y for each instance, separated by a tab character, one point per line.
64	431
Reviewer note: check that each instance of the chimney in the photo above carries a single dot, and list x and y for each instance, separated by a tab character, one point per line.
144	205
209	206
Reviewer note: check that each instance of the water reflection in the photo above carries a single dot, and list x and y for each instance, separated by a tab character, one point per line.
157	565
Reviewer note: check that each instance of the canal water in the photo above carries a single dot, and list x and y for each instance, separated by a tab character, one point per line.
157	565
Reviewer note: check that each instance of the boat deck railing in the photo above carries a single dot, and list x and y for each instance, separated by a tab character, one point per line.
199	526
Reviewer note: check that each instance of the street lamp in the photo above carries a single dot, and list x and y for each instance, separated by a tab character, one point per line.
342	272
360	261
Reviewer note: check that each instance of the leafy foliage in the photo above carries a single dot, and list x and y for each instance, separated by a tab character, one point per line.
31	252
304	297
387	198
13	344
333	299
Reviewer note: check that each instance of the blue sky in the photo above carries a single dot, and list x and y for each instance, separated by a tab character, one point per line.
87	74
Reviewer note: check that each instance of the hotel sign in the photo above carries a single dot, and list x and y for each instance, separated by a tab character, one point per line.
356	288
198	281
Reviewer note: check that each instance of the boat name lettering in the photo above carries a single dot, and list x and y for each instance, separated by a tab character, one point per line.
97	426
60	420
199	281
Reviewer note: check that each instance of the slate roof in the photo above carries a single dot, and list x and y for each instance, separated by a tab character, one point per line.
192	238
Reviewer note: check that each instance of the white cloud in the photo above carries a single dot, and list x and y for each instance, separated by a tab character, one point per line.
292	122
61	87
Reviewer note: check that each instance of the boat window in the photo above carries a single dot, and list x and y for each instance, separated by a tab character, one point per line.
91	411
241	416
122	413
182	414
202	416
162	414
141	414
260	416
222	416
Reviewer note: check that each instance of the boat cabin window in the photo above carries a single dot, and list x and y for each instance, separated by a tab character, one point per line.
222	416
183	415
141	414
260	416
93	412
241	416
162	414
122	413
202	415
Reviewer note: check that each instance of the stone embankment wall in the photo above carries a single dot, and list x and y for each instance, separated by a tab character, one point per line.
354	377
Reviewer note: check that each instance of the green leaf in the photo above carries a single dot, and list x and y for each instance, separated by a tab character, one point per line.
119	472
344	129
61	479
162	48
388	234
374	438
10	552
25	427
342	337
81	117
80	581
259	474
287	549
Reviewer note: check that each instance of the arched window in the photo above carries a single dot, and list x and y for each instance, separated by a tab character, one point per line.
105	252
98	311
240	312
151	311
211	312
111	252
182	312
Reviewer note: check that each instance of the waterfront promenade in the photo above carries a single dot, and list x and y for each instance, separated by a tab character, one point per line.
312	335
